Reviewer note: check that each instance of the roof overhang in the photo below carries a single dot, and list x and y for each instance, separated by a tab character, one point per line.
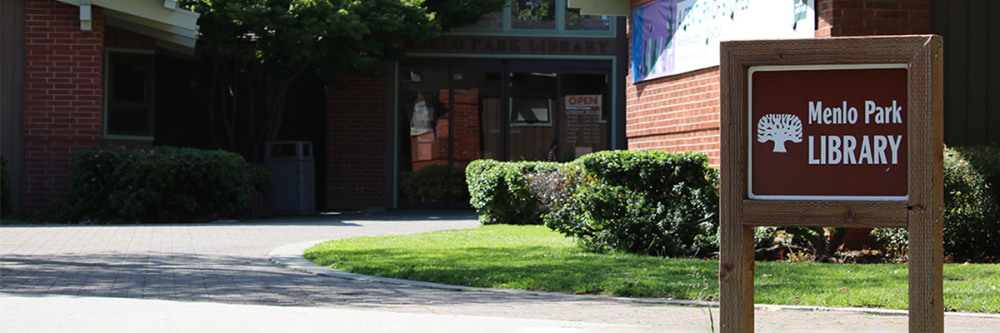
175	29
602	7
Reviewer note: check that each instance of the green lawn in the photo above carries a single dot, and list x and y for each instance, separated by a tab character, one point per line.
536	258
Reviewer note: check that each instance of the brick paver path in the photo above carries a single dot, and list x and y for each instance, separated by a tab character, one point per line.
228	263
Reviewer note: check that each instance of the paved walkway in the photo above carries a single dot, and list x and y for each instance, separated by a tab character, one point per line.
227	263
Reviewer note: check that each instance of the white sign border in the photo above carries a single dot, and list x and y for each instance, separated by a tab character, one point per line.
784	68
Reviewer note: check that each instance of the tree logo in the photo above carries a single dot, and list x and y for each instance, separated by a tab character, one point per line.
779	128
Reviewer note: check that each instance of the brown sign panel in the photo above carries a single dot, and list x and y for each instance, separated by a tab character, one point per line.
880	99
831	132
514	45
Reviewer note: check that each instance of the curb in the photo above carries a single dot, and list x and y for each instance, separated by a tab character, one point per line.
291	256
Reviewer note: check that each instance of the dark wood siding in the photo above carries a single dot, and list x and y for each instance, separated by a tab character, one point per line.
120	38
12	91
971	31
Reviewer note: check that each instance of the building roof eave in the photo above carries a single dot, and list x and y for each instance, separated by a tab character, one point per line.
602	7
160	19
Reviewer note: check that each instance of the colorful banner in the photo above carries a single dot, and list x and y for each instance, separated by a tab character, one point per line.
676	36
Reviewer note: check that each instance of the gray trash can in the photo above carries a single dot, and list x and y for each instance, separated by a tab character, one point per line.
292	166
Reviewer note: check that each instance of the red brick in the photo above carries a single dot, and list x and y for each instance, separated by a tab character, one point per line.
881	5
54	91
881	23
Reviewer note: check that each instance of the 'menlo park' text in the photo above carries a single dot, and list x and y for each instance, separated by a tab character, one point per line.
850	149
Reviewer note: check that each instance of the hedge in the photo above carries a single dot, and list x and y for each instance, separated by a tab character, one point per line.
430	184
650	202
500	194
164	184
971	206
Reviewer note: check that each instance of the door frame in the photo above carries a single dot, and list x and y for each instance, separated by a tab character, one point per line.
504	67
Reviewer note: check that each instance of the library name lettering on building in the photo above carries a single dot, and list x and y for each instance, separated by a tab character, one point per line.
842	136
515	45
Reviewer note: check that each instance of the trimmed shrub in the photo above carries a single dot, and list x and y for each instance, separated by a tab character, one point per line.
971	207
6	206
500	194
644	201
165	184
260	179
648	202
430	184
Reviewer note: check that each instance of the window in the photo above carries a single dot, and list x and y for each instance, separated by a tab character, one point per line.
488	21
577	21
533	14
129	95
541	17
530	111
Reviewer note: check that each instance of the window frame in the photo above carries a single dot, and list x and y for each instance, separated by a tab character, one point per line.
149	55
506	28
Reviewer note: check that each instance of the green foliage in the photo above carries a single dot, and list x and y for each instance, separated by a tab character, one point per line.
643	201
648	202
260	179
971	206
259	48
6	206
500	192
165	184
336	36
532	11
457	13
430	184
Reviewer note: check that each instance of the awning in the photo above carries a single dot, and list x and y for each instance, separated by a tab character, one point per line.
174	29
602	7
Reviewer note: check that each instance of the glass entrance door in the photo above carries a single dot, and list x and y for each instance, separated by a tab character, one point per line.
584	115
531	116
451	116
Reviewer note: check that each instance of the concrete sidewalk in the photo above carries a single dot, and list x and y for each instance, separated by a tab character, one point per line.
58	313
184	277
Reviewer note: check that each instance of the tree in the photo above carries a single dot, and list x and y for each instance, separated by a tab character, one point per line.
779	128
258	48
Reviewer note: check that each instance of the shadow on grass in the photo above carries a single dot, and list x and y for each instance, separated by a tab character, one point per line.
537	268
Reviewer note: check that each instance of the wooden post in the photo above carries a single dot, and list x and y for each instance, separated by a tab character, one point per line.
926	183
736	267
919	209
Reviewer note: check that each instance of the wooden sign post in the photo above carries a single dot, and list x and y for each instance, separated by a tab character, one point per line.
832	132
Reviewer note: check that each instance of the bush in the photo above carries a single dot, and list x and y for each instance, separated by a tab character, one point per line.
6	206
500	194
430	184
971	207
649	202
260	179
166	184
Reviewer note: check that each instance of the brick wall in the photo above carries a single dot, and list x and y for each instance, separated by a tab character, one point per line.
676	113
357	134
681	112
865	18
63	102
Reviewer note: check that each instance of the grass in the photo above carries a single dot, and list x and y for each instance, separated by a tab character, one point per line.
536	258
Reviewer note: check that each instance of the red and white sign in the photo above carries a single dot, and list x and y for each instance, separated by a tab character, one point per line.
832	132
583	105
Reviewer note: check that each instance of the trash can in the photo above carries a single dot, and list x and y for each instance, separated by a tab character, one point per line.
293	169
